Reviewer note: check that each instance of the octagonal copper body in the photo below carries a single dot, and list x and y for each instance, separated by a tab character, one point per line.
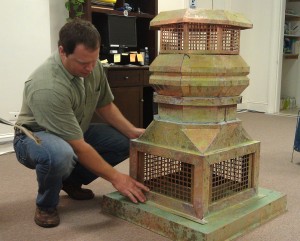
195	156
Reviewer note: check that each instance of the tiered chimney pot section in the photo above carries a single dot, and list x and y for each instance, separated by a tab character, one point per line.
195	156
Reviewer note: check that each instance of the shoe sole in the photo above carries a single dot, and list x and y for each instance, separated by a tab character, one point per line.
81	199
89	195
45	225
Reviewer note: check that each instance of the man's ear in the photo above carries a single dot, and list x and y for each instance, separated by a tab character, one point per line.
61	51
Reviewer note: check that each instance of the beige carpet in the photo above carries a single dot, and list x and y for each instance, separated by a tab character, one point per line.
85	221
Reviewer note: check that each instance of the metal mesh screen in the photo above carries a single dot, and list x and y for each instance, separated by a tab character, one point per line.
172	37
230	176
168	177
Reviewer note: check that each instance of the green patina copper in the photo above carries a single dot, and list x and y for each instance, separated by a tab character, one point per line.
200	164
199	75
206	16
222	225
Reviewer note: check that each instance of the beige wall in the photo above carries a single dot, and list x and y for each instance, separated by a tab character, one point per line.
58	17
261	47
29	34
25	42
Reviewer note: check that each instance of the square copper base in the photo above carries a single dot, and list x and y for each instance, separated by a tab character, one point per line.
226	224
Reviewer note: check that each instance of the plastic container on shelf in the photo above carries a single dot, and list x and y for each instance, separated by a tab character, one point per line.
146	59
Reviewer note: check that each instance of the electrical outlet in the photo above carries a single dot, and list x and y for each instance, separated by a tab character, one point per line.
13	115
193	4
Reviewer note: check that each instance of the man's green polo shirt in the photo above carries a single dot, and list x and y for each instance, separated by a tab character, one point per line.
55	100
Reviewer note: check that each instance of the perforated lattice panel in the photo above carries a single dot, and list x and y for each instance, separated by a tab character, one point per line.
168	177
230	39
230	177
202	37
172	37
199	37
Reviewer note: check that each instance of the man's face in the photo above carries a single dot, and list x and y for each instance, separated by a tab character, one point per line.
81	62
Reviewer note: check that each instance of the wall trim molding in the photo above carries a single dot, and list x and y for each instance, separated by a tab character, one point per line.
256	106
8	137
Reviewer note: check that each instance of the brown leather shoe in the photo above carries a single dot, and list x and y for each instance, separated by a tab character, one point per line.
76	192
47	218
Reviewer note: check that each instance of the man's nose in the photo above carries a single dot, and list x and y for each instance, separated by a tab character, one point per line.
89	67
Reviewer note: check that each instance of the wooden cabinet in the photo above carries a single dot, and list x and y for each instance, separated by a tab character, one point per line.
132	93
129	84
129	101
143	10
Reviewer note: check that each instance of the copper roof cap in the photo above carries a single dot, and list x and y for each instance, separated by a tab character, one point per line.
206	16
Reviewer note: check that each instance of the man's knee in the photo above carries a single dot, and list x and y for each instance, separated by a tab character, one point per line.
63	163
123	144
58	156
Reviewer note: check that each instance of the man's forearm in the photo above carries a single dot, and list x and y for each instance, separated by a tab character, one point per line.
91	160
113	116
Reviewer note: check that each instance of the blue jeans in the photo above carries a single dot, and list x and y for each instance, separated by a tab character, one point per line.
55	161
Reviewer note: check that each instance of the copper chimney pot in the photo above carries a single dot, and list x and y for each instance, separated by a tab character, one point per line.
195	155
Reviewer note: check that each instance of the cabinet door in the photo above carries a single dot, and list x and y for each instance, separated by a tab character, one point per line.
129	101
119	78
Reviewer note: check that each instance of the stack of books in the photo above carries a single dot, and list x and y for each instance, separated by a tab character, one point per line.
104	3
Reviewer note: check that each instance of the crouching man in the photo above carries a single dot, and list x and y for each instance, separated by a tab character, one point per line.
59	100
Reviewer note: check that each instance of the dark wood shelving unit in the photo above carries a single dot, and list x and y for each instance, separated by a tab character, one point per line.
290	56
130	84
98	9
291	17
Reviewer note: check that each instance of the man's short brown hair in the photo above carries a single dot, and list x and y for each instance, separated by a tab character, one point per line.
76	32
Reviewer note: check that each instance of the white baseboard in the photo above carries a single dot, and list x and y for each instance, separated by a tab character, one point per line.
6	143
260	107
8	137
242	106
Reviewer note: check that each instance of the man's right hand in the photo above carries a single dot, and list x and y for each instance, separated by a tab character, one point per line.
90	159
129	187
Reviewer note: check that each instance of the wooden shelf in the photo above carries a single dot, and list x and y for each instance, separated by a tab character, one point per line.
291	36
290	56
129	84
289	112
292	17
107	10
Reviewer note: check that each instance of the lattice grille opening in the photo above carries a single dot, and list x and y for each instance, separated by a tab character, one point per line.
230	39
200	37
203	37
230	177
172	37
168	177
